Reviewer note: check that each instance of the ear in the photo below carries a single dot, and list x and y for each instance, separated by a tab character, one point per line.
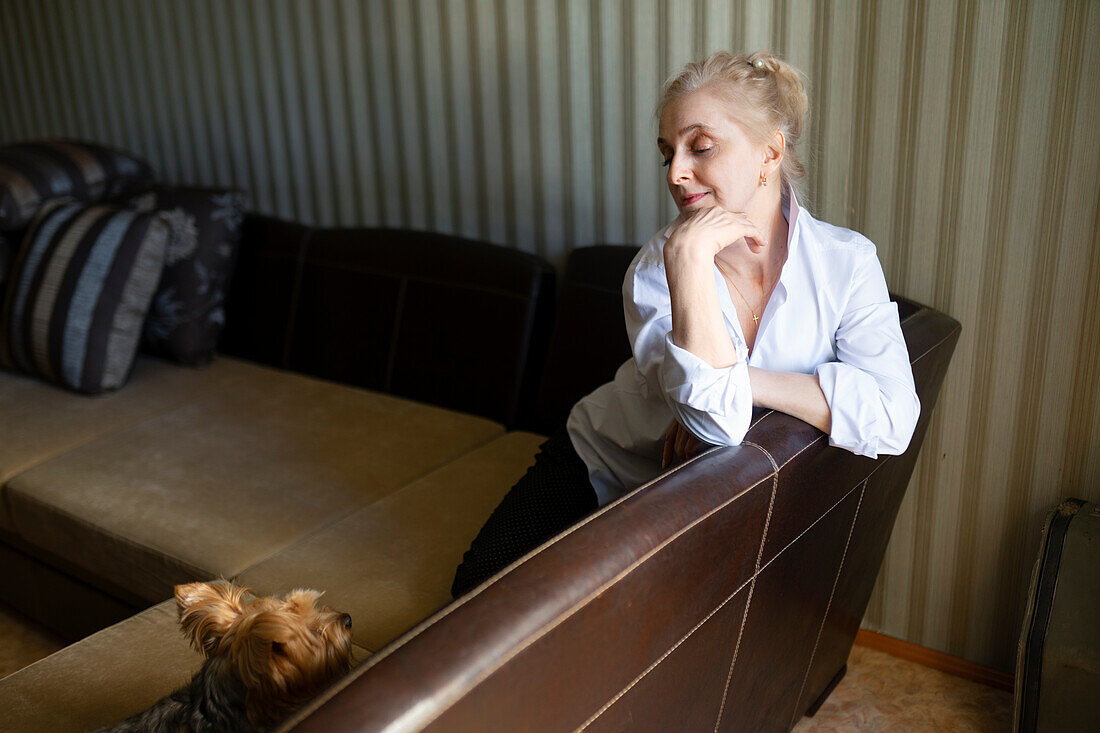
207	610
774	149
261	647
302	600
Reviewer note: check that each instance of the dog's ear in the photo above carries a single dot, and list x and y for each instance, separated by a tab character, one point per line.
207	610
302	601
266	646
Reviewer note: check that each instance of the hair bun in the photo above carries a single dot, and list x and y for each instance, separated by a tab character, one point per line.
764	62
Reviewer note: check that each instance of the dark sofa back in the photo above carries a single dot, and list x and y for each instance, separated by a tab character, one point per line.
589	339
431	317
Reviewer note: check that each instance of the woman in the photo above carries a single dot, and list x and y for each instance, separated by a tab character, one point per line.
744	299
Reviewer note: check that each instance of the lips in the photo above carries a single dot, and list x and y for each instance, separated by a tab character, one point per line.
691	198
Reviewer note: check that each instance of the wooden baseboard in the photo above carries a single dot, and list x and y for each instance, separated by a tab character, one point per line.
935	659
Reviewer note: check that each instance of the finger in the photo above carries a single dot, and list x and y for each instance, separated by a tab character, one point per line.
693	447
756	240
754	235
681	443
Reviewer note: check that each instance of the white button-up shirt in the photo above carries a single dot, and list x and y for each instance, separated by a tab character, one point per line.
829	315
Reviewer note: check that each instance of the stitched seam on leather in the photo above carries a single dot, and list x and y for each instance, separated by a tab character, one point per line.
446	611
662	658
814	523
762	418
933	347
588	598
752	585
800	450
739	589
591	517
828	606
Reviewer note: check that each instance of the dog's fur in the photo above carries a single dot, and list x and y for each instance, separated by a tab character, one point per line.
264	658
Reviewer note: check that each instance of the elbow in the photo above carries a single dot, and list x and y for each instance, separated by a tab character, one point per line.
714	429
901	419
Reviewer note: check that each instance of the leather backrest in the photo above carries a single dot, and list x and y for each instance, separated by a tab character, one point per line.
722	595
435	318
589	339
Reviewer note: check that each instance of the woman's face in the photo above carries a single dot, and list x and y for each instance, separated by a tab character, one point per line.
710	159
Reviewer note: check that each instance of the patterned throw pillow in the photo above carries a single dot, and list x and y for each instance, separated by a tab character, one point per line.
78	292
187	315
33	172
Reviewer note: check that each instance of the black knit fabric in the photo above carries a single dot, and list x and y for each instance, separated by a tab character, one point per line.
553	495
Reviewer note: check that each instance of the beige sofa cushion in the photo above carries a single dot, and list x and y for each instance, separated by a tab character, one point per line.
390	565
42	420
104	678
230	478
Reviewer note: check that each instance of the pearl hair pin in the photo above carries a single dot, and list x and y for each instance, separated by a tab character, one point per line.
758	63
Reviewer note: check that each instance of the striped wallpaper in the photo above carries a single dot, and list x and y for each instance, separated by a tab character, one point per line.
961	137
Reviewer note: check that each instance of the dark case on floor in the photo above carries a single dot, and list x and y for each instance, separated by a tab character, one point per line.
1058	663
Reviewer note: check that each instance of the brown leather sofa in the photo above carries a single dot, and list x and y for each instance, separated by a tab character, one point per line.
725	594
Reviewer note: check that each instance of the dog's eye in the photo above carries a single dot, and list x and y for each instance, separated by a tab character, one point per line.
347	621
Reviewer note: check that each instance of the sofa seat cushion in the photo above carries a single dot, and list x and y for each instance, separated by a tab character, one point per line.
105	678
223	482
390	565
41	420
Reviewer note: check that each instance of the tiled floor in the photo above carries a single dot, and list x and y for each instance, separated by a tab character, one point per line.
879	692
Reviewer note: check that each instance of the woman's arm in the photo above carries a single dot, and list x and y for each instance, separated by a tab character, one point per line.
698	325
798	395
679	334
872	398
697	322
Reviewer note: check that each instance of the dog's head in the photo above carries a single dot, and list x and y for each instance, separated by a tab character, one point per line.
283	650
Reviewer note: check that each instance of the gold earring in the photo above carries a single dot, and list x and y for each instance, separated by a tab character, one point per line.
763	179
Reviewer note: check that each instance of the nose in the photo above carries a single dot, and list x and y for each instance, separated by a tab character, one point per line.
678	170
347	621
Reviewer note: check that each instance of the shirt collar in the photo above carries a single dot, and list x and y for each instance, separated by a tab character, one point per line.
795	221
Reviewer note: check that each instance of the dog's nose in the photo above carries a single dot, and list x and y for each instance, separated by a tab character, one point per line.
347	621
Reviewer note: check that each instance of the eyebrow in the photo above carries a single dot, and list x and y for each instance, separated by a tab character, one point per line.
689	128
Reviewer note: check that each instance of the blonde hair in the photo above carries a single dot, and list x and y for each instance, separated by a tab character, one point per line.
770	94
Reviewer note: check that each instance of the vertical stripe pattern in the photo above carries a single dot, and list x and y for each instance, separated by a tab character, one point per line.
959	136
81	289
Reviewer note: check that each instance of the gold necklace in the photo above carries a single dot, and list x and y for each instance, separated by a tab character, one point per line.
755	318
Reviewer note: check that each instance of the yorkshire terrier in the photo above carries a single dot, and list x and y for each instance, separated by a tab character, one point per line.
264	658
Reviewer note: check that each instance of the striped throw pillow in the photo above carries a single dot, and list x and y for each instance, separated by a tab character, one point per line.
78	293
35	171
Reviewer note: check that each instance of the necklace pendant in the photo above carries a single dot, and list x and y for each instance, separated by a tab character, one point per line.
755	319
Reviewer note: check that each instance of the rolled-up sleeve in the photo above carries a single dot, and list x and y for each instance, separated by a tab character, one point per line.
714	404
870	391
